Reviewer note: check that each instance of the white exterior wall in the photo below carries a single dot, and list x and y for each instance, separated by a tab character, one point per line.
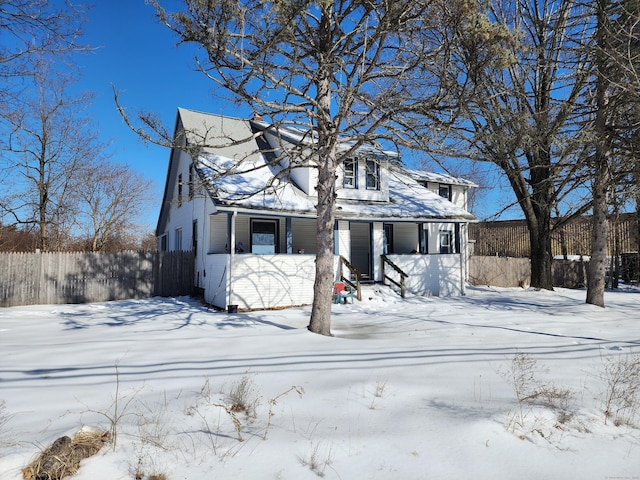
194	205
271	281
458	193
434	230
437	275
216	281
180	213
459	196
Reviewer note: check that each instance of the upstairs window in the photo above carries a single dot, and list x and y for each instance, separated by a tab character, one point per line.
445	191
350	167
180	190
373	175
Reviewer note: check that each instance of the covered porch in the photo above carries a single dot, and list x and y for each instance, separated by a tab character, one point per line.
264	262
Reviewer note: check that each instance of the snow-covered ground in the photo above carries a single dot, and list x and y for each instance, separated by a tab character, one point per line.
420	388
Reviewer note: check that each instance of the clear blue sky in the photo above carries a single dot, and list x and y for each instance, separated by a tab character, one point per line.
138	57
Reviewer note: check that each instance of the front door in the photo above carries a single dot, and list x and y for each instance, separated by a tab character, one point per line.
361	248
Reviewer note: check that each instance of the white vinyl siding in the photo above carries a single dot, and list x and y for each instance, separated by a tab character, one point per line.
286	280
439	275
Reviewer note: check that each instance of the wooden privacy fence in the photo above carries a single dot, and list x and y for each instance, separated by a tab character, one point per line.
83	277
510	238
516	272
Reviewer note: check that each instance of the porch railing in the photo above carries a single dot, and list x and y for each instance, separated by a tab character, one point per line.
354	274
400	284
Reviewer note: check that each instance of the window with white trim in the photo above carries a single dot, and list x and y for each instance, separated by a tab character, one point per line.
350	167
446	241
372	175
445	191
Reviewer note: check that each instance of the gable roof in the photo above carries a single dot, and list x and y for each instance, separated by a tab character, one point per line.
233	167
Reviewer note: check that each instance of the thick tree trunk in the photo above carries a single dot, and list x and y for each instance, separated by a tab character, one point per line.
539	226
320	321
599	234
322	288
541	257
601	175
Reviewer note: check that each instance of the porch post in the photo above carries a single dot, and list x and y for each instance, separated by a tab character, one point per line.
289	233
463	231
231	232
231	229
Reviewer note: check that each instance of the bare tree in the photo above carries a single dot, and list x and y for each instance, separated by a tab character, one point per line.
35	35
47	141
13	239
524	69
109	198
346	72
601	159
616	123
31	29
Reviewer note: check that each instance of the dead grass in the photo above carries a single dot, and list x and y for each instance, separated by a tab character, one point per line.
62	459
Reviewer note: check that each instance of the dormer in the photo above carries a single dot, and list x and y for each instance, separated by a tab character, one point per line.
296	158
452	188
364	177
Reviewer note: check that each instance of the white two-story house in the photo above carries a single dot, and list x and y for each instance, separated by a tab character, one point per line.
241	196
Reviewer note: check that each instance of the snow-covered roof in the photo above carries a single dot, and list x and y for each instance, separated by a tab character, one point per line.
423	176
235	171
297	135
235	185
